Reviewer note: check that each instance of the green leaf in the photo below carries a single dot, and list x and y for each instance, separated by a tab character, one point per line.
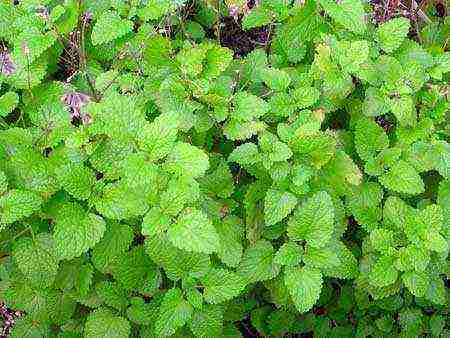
383	273
194	297
273	150
28	327
255	63
17	204
289	254
352	55
3	183
413	257
217	61
304	285
304	97
375	103
277	205
180	191
436	291
8	102
313	220
257	17
101	323
207	322
143	313
221	285
112	115
348	13
187	160
77	180
194	232
258	263
391	34
231	233
134	269
219	180
116	240
364	204
36	259
248	107
437	325
416	282
158	137
383	241
396	212
436	242
75	278
76	231
112	294
404	110
191	59
110	26
236	130
246	154
173	313
403	178
334	260
370	138
276	79
36	44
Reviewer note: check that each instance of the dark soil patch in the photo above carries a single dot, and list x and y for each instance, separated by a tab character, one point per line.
138	239
385	122
13	117
247	329
241	41
9	318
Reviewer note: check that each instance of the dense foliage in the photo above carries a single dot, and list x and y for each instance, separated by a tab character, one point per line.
223	169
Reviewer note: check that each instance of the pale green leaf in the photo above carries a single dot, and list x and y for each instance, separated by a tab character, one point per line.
159	136
207	322
370	139
403	178
76	231
304	97
276	79
17	204
383	273
221	285
392	33
180	192
194	232
8	102
231	233
187	160
416	282
304	285
173	313
289	254
110	26
313	220
404	110
277	205
348	13
258	263
102	323
248	107
115	242
246	154
36	259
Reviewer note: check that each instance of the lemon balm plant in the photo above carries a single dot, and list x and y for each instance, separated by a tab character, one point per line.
159	177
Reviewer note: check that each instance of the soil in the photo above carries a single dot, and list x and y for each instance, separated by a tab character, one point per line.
8	317
240	41
385	122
